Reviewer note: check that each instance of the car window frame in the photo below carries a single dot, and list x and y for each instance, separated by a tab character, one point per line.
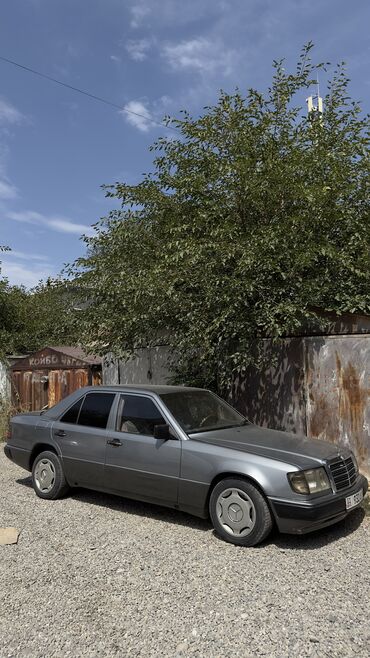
176	432
82	400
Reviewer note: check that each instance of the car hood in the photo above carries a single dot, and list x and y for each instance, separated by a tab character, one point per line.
273	444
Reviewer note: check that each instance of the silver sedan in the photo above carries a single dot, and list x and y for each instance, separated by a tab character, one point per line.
186	448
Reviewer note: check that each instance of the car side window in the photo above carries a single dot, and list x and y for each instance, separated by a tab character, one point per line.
71	415
95	410
138	415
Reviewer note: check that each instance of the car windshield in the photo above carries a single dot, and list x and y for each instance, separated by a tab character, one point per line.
200	411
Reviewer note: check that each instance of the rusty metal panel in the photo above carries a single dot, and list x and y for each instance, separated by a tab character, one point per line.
338	392
96	377
79	379
26	391
274	396
37	389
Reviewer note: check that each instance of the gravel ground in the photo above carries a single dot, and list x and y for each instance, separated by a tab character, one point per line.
99	576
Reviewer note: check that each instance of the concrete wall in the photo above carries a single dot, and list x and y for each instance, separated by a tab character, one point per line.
4	383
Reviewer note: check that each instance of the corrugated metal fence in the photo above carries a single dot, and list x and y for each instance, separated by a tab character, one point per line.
319	386
315	385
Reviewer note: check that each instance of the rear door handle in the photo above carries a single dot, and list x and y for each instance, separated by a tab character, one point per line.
60	433
114	442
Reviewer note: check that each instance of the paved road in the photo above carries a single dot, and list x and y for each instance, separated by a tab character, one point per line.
98	576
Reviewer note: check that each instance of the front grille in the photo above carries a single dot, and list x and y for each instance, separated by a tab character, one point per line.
344	472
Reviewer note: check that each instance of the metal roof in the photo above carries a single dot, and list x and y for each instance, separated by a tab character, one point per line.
76	353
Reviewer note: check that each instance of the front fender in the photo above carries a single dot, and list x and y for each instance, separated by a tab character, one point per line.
203	464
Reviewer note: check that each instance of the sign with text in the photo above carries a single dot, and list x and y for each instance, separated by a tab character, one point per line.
48	359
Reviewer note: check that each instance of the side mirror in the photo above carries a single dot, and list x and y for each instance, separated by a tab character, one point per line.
162	432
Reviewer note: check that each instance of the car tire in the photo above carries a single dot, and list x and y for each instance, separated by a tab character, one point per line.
239	512
48	477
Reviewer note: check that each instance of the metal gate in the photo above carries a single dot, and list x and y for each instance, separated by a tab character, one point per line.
337	376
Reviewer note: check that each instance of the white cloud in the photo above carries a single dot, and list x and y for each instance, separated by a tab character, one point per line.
138	50
27	216
144	117
201	54
138	12
172	13
9	113
23	255
54	222
7	191
136	114
19	274
114	58
66	226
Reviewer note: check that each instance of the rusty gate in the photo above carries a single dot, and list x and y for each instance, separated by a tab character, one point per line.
337	380
315	385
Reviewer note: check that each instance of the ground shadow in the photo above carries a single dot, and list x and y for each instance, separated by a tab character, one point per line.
311	541
134	507
320	538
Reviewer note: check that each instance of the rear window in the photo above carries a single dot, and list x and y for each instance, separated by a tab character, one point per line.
96	409
71	415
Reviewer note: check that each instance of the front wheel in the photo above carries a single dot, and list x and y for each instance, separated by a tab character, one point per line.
239	512
47	476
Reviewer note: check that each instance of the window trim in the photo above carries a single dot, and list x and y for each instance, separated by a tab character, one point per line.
82	400
103	429
161	408
65	422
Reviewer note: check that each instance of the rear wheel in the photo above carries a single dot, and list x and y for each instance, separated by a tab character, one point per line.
239	512
47	476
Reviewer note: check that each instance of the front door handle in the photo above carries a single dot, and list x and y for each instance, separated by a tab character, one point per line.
114	442
60	433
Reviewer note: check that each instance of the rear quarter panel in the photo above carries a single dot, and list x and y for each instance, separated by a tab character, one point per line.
27	432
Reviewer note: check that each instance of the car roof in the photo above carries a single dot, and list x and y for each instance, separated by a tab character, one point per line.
55	411
159	389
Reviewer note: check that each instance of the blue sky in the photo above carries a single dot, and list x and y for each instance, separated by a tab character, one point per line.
154	57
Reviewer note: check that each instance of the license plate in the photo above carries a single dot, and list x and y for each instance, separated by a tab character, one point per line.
355	499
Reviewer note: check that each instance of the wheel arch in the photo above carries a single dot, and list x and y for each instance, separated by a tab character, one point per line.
231	474
38	449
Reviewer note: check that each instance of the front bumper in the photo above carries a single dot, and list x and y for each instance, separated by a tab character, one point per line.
299	518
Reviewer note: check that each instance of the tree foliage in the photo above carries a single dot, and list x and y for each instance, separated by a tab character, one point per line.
255	216
31	319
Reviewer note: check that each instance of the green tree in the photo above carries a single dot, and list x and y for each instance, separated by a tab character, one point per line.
7	312
31	319
47	316
256	215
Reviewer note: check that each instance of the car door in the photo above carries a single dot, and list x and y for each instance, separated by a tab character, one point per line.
81	435
138	465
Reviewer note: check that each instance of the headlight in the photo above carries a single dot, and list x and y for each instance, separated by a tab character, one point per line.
355	462
309	482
